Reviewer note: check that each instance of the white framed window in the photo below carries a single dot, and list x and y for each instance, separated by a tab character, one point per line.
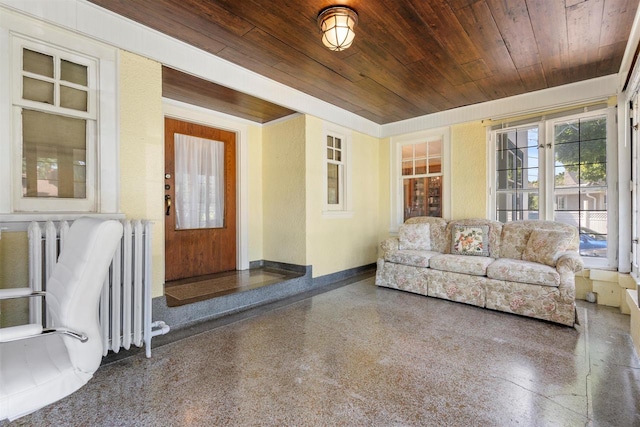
517	170
561	202
336	171
420	176
58	121
422	179
560	169
54	122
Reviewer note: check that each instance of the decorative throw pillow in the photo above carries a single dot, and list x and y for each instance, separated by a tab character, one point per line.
545	246
415	236
470	240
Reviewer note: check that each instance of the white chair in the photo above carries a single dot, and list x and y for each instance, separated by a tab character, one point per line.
40	366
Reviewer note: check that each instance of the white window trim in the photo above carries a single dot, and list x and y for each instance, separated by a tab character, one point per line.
444	134
634	222
344	209
546	196
107	179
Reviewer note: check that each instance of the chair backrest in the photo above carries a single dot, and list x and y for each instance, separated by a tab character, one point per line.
73	290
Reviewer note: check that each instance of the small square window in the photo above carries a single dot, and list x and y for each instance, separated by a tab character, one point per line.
336	176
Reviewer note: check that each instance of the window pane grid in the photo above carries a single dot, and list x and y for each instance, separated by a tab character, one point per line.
43	76
54	125
335	191
517	174
422	159
580	184
422	179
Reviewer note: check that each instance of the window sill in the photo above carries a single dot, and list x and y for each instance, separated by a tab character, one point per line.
597	264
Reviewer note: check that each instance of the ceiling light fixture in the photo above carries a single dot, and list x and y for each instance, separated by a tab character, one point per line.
337	24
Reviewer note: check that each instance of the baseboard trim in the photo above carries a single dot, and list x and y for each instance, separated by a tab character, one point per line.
341	275
279	265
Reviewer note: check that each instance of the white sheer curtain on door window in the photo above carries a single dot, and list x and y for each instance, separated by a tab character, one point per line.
199	169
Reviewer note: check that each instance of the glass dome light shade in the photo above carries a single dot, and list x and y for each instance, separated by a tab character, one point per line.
337	24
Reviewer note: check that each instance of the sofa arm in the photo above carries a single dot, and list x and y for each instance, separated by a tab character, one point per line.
567	266
569	261
388	245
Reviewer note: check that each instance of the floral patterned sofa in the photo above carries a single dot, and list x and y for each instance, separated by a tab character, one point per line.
521	267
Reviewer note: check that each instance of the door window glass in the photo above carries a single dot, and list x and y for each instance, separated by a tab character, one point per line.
199	173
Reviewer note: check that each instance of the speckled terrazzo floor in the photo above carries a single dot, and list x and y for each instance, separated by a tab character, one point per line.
361	355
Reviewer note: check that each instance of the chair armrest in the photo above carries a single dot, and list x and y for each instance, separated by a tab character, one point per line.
33	330
11	293
14	333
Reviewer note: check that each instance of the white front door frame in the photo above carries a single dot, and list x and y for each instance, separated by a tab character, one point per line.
194	114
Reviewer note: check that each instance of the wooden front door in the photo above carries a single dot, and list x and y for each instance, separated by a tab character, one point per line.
200	203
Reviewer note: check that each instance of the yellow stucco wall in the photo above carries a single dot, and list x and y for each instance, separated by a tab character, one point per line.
340	243
468	171
283	191
255	209
384	188
142	151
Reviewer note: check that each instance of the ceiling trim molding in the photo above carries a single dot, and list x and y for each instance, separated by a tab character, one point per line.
538	101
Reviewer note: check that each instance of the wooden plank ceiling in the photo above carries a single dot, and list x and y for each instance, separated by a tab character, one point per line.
409	58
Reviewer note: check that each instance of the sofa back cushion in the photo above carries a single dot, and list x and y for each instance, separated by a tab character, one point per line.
437	227
478	224
415	237
516	234
545	246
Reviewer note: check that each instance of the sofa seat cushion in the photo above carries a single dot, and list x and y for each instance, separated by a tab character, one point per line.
457	287
515	270
541	302
474	265
403	277
410	257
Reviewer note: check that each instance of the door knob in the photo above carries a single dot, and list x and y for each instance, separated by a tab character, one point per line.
167	199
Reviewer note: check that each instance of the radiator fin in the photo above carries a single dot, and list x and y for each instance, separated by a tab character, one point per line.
125	302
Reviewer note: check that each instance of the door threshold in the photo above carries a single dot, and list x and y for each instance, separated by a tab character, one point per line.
195	289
